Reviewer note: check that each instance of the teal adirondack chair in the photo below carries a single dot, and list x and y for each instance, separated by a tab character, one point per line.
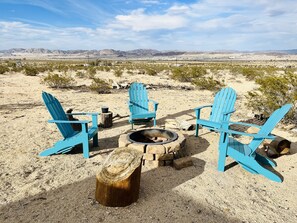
245	154
139	104
71	137
221	110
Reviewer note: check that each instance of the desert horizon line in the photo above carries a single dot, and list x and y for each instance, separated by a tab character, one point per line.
151	49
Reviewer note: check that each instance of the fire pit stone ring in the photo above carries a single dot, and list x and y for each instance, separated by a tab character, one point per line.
159	146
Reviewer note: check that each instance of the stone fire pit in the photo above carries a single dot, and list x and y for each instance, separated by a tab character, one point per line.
159	146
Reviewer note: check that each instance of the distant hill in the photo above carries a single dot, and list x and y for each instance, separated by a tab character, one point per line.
135	54
90	53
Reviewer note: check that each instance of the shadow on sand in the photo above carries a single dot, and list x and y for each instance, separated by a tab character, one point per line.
158	202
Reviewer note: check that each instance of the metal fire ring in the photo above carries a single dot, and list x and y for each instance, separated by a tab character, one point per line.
151	133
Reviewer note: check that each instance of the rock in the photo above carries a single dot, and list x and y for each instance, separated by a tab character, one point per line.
182	162
124	85
115	85
138	147
123	141
155	149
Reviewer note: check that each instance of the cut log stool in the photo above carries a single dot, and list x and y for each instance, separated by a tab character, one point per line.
277	147
118	181
106	119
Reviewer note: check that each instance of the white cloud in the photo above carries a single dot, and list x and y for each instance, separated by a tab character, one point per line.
137	20
204	25
179	9
150	2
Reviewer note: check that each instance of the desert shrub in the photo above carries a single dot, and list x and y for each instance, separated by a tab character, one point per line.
251	73
129	72
100	86
290	69
16	69
273	92
3	69
80	74
61	67
118	72
208	83
100	68
43	68
150	71
106	68
55	80
197	71
91	72
180	74
187	74
141	71
31	71
270	70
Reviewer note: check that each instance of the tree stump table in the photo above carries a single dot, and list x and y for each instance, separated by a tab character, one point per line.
106	119
118	181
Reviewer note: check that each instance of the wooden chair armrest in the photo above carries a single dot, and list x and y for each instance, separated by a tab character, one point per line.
153	101
65	121
155	104
229	112
243	123
83	113
204	106
257	136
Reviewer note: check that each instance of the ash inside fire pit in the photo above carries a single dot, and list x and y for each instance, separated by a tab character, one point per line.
152	136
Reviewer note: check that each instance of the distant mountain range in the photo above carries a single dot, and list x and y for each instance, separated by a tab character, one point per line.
91	53
111	53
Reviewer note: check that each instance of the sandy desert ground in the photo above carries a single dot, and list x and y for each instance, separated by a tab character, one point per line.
61	188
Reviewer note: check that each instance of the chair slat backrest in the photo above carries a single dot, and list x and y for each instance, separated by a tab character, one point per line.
57	112
139	98
270	124
224	101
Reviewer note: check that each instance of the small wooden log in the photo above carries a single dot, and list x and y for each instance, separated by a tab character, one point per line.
118	181
281	145
106	119
277	147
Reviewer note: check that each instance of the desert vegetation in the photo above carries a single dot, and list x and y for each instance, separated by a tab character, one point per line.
273	92
276	85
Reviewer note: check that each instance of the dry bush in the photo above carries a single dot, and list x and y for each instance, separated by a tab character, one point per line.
208	83
118	72
55	80
80	74
150	71
31	70
273	92
187	74
100	86
3	69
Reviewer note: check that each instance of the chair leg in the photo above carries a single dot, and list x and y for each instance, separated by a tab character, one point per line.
86	149
222	152
95	140
59	147
197	129
155	122
49	151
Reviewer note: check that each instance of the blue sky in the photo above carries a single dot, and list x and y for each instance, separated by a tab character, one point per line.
193	25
